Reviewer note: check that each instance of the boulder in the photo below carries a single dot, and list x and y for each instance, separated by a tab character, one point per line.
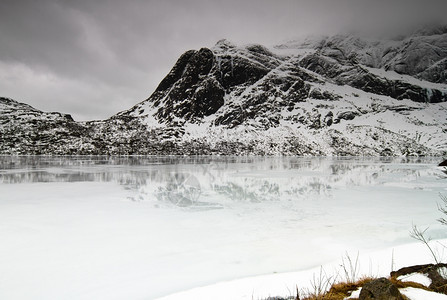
380	289
346	115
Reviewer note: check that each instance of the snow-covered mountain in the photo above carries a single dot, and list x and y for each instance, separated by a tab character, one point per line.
338	95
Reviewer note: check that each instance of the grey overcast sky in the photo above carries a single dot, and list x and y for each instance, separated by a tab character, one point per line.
94	58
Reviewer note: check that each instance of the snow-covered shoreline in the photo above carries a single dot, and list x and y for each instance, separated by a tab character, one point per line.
375	264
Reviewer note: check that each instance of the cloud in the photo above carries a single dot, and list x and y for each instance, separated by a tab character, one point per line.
85	100
95	58
395	16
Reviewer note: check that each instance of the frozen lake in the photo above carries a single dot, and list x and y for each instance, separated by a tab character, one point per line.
142	228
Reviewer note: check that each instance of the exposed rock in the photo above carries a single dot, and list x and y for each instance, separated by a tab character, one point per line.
187	92
323	95
208	98
421	53
380	289
435	272
412	55
346	115
328	119
176	71
362	79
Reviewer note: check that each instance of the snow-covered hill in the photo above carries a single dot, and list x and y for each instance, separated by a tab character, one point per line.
339	95
26	130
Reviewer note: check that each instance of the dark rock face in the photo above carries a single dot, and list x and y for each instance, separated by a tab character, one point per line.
187	91
362	79
420	55
207	99
380	289
436	73
196	85
232	71
176	72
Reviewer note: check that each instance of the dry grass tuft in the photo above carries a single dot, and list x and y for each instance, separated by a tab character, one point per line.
343	289
338	291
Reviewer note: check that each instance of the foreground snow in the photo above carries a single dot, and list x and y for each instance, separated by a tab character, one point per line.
419	294
376	264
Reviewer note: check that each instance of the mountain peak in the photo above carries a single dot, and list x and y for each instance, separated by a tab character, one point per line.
224	44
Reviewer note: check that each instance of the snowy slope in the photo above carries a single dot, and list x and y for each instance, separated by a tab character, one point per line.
25	130
339	95
284	285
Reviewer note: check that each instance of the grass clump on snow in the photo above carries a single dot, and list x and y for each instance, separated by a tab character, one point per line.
337	291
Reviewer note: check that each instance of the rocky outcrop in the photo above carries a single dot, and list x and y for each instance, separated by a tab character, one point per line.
420	55
380	289
360	78
188	91
435	272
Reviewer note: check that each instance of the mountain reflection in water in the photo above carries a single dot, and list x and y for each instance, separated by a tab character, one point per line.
214	182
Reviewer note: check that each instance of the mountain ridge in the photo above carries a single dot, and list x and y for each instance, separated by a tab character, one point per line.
338	95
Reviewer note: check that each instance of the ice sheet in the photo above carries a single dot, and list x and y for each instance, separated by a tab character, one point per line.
142	228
